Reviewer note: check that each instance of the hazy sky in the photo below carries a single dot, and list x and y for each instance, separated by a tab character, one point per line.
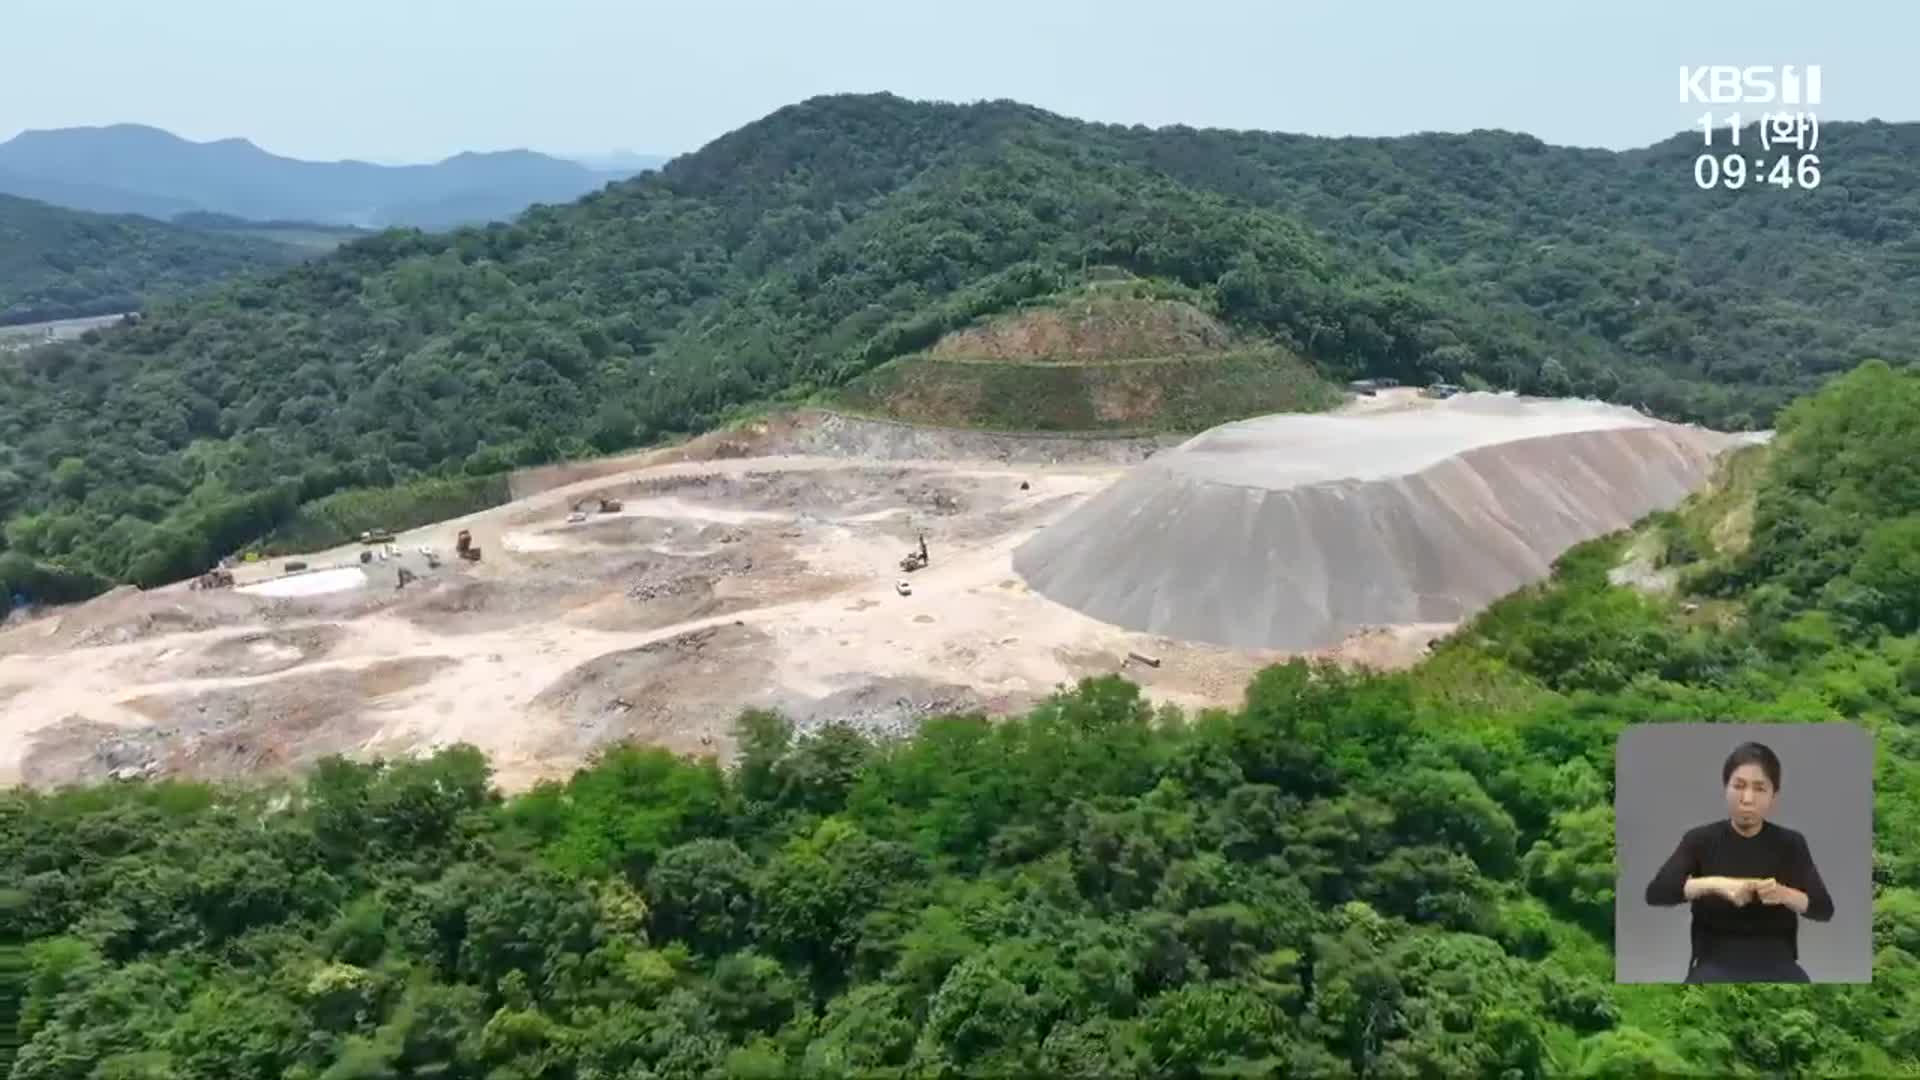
416	80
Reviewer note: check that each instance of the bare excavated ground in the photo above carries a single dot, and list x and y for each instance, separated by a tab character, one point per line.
728	581
749	569
229	729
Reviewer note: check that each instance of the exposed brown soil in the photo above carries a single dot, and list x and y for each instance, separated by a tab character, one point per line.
126	615
252	729
259	652
677	692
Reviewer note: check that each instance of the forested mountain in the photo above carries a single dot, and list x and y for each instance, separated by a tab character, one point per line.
1351	875
835	234
61	264
130	168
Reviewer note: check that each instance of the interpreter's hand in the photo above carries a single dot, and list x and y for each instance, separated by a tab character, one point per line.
1738	890
1770	891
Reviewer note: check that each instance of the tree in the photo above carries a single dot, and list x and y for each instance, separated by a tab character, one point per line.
702	893
1628	1054
1885	582
1448	808
1554	379
980	1019
70	477
1574	865
1194	1030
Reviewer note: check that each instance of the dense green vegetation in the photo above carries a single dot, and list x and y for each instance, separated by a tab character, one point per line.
1350	875
67	264
344	515
837	234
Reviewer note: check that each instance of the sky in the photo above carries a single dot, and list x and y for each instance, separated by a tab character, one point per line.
417	80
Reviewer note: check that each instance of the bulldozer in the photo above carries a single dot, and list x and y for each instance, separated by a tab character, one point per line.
916	559
463	546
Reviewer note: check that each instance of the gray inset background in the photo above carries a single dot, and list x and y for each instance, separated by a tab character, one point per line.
1667	780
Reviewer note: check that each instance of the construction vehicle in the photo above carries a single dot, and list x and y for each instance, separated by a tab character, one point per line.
903	587
217	578
463	546
611	506
377	536
576	517
916	559
600	504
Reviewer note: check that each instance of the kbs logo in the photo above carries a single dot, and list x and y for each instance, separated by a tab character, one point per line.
1726	84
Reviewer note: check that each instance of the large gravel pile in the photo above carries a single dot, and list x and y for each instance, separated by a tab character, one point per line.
1291	532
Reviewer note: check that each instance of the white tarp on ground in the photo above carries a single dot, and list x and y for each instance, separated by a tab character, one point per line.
1291	532
310	584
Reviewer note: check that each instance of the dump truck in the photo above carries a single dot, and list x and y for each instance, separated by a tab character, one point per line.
377	536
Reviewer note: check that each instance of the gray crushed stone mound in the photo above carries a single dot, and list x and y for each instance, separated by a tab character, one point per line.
1291	532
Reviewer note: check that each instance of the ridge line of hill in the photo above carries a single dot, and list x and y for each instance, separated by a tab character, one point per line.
808	248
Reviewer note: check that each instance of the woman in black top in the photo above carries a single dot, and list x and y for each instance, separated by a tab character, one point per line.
1748	879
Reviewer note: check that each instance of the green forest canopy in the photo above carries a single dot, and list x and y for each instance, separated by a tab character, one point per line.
1355	875
833	235
57	263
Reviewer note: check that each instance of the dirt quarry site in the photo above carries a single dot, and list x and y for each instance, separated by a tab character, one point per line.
761	568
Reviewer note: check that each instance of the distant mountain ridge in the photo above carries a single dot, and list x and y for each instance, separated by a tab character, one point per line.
135	169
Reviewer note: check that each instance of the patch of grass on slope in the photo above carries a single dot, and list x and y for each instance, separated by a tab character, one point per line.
1102	321
1724	511
1180	394
1118	355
